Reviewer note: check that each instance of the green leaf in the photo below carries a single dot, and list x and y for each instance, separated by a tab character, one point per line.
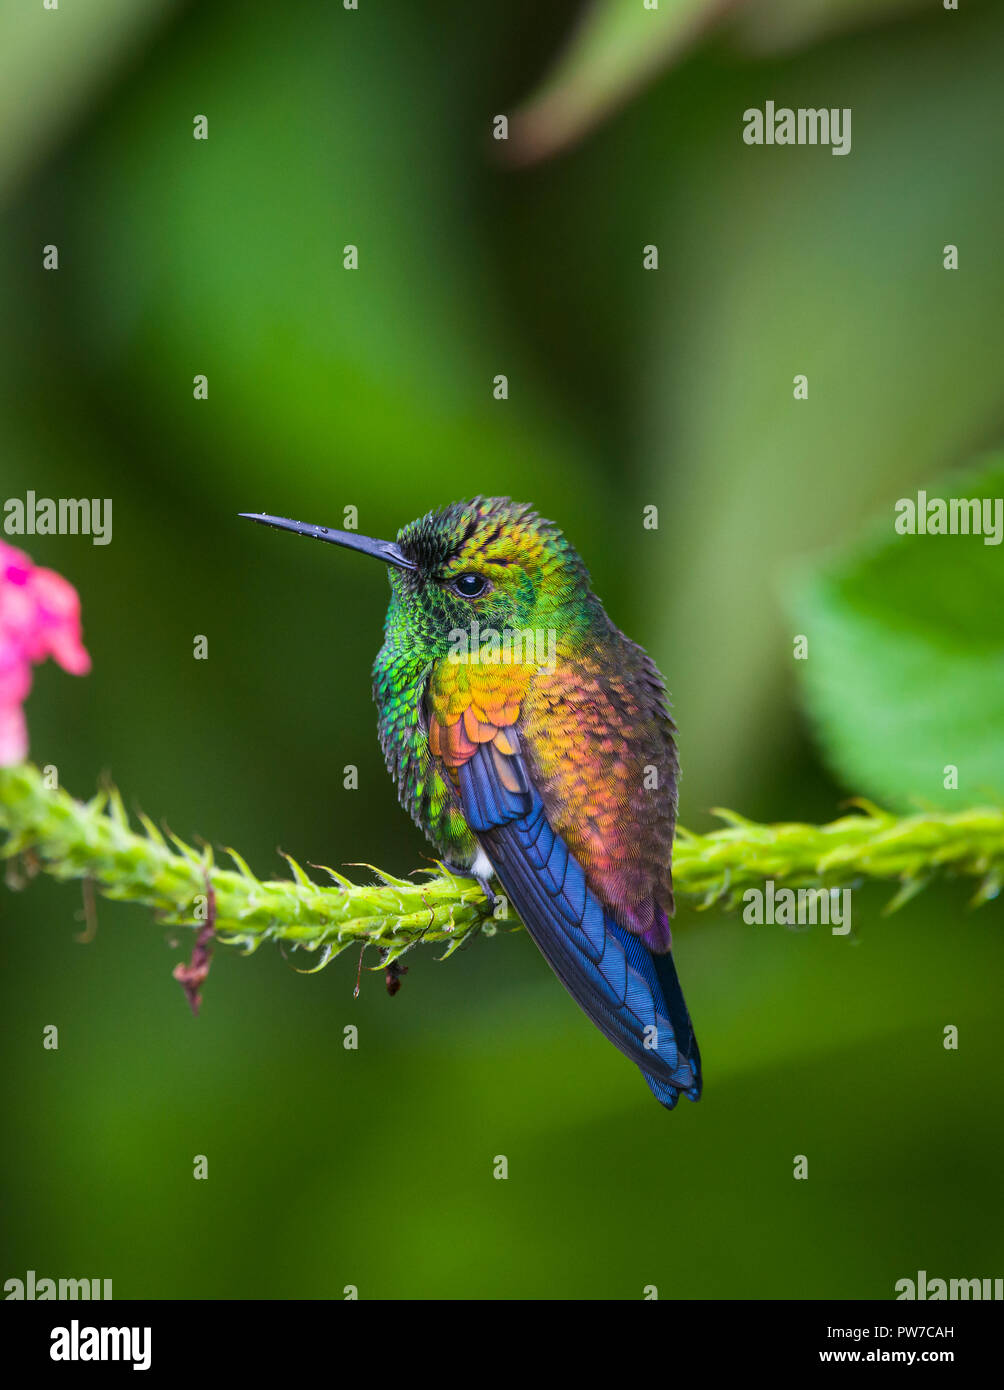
766	25
53	62
905	668
621	44
615	49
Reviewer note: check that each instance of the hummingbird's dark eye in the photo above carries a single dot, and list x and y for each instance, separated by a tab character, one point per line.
469	585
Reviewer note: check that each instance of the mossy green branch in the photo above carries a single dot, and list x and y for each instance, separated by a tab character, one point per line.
94	841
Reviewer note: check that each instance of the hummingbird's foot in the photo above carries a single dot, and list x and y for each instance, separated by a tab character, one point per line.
479	879
486	888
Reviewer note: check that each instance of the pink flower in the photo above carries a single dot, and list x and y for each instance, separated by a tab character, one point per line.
39	617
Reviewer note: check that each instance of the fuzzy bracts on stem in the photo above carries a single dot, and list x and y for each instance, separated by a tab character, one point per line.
94	841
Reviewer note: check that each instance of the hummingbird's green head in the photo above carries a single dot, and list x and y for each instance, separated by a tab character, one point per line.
489	564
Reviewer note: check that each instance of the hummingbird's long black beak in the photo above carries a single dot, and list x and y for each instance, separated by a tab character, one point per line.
388	551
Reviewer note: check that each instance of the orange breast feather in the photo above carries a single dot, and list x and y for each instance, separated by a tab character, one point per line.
471	703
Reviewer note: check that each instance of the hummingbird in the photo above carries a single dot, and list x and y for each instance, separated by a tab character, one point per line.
531	741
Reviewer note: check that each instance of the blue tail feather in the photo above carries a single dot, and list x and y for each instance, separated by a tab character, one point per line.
632	995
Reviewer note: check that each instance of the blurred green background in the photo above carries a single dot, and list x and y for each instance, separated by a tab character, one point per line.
372	388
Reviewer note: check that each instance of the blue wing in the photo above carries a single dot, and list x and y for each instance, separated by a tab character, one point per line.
632	995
